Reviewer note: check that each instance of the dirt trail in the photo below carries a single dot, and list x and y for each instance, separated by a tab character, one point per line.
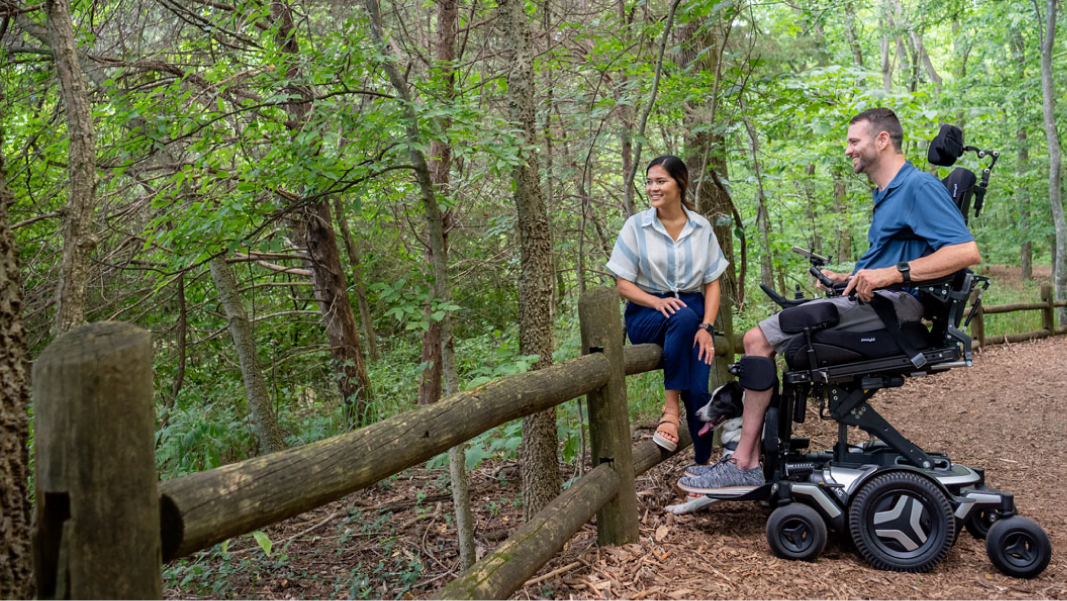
1007	414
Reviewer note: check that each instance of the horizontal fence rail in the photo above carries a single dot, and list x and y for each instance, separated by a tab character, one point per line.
205	508
1048	325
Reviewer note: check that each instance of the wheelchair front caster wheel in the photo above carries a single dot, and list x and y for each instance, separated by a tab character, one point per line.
1018	547
901	521
796	531
979	523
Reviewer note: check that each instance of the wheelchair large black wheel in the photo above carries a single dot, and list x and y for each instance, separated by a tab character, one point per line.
979	522
796	531
1018	547
902	522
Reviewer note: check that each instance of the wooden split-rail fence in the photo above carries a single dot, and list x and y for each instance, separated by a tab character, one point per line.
1047	307
105	524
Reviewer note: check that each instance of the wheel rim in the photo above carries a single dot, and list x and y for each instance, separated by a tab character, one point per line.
1021	550
984	519
904	524
795	535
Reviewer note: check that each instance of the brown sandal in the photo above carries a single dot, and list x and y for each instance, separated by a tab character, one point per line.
660	437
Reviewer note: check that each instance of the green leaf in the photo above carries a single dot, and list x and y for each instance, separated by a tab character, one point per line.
264	541
474	456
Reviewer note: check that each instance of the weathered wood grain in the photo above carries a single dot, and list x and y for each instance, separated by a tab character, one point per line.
503	571
97	532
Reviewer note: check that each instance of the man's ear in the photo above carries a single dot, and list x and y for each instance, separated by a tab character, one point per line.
882	140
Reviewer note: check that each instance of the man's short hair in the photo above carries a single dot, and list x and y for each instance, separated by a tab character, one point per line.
883	119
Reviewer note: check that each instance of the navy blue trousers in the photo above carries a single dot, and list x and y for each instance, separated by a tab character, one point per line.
682	368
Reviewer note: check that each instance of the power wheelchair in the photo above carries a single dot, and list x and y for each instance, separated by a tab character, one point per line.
902	506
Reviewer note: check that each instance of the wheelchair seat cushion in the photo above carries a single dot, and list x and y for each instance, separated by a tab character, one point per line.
816	316
836	347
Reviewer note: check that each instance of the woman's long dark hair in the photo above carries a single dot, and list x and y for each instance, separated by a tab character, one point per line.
676	168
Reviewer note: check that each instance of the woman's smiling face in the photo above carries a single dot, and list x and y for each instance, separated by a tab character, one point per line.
661	188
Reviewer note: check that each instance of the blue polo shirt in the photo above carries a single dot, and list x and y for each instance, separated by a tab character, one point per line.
913	217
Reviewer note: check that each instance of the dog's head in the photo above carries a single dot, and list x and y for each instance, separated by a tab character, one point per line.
726	403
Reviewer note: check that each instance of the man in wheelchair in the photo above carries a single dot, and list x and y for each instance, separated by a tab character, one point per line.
902	506
917	233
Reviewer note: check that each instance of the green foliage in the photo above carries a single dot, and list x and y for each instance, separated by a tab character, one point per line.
199	155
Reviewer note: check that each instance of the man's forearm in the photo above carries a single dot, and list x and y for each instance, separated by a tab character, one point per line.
945	261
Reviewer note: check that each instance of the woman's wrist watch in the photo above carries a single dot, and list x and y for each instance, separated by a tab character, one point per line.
709	328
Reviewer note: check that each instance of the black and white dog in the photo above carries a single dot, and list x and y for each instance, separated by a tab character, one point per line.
723	410
727	402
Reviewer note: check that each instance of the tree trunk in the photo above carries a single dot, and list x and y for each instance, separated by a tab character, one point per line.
78	240
763	220
331	292
812	207
851	35
706	158
356	264
16	566
327	274
540	465
1022	166
448	18
628	195
883	45
626	109
919	54
844	233
266	423
1055	174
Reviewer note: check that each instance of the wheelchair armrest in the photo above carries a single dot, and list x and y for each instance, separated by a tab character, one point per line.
920	284
780	300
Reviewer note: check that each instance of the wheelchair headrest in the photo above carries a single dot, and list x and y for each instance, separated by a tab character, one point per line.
946	147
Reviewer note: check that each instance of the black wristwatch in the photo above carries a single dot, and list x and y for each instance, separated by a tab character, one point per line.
707	327
905	271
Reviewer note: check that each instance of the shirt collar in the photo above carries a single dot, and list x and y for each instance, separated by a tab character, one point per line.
648	219
904	173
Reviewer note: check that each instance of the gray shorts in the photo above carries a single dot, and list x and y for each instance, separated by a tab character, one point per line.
855	316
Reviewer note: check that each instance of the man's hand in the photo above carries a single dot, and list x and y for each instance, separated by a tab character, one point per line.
707	345
835	277
866	281
667	306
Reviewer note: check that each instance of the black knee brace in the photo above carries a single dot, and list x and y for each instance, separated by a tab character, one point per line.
756	373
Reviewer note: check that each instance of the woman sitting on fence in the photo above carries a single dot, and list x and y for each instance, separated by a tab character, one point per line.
667	263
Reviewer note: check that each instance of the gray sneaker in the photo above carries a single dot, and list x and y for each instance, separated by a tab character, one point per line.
724	478
731	435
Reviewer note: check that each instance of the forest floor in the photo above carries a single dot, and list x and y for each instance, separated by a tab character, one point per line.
1007	414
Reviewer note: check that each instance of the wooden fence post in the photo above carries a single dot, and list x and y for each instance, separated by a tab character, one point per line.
609	420
1047	320
97	532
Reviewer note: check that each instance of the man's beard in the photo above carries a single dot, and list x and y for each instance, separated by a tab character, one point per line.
866	161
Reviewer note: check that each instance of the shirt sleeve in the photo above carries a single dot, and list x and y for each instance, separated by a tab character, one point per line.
935	218
624	261
717	263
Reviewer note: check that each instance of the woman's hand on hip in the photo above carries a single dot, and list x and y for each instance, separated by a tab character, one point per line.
706	342
667	306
